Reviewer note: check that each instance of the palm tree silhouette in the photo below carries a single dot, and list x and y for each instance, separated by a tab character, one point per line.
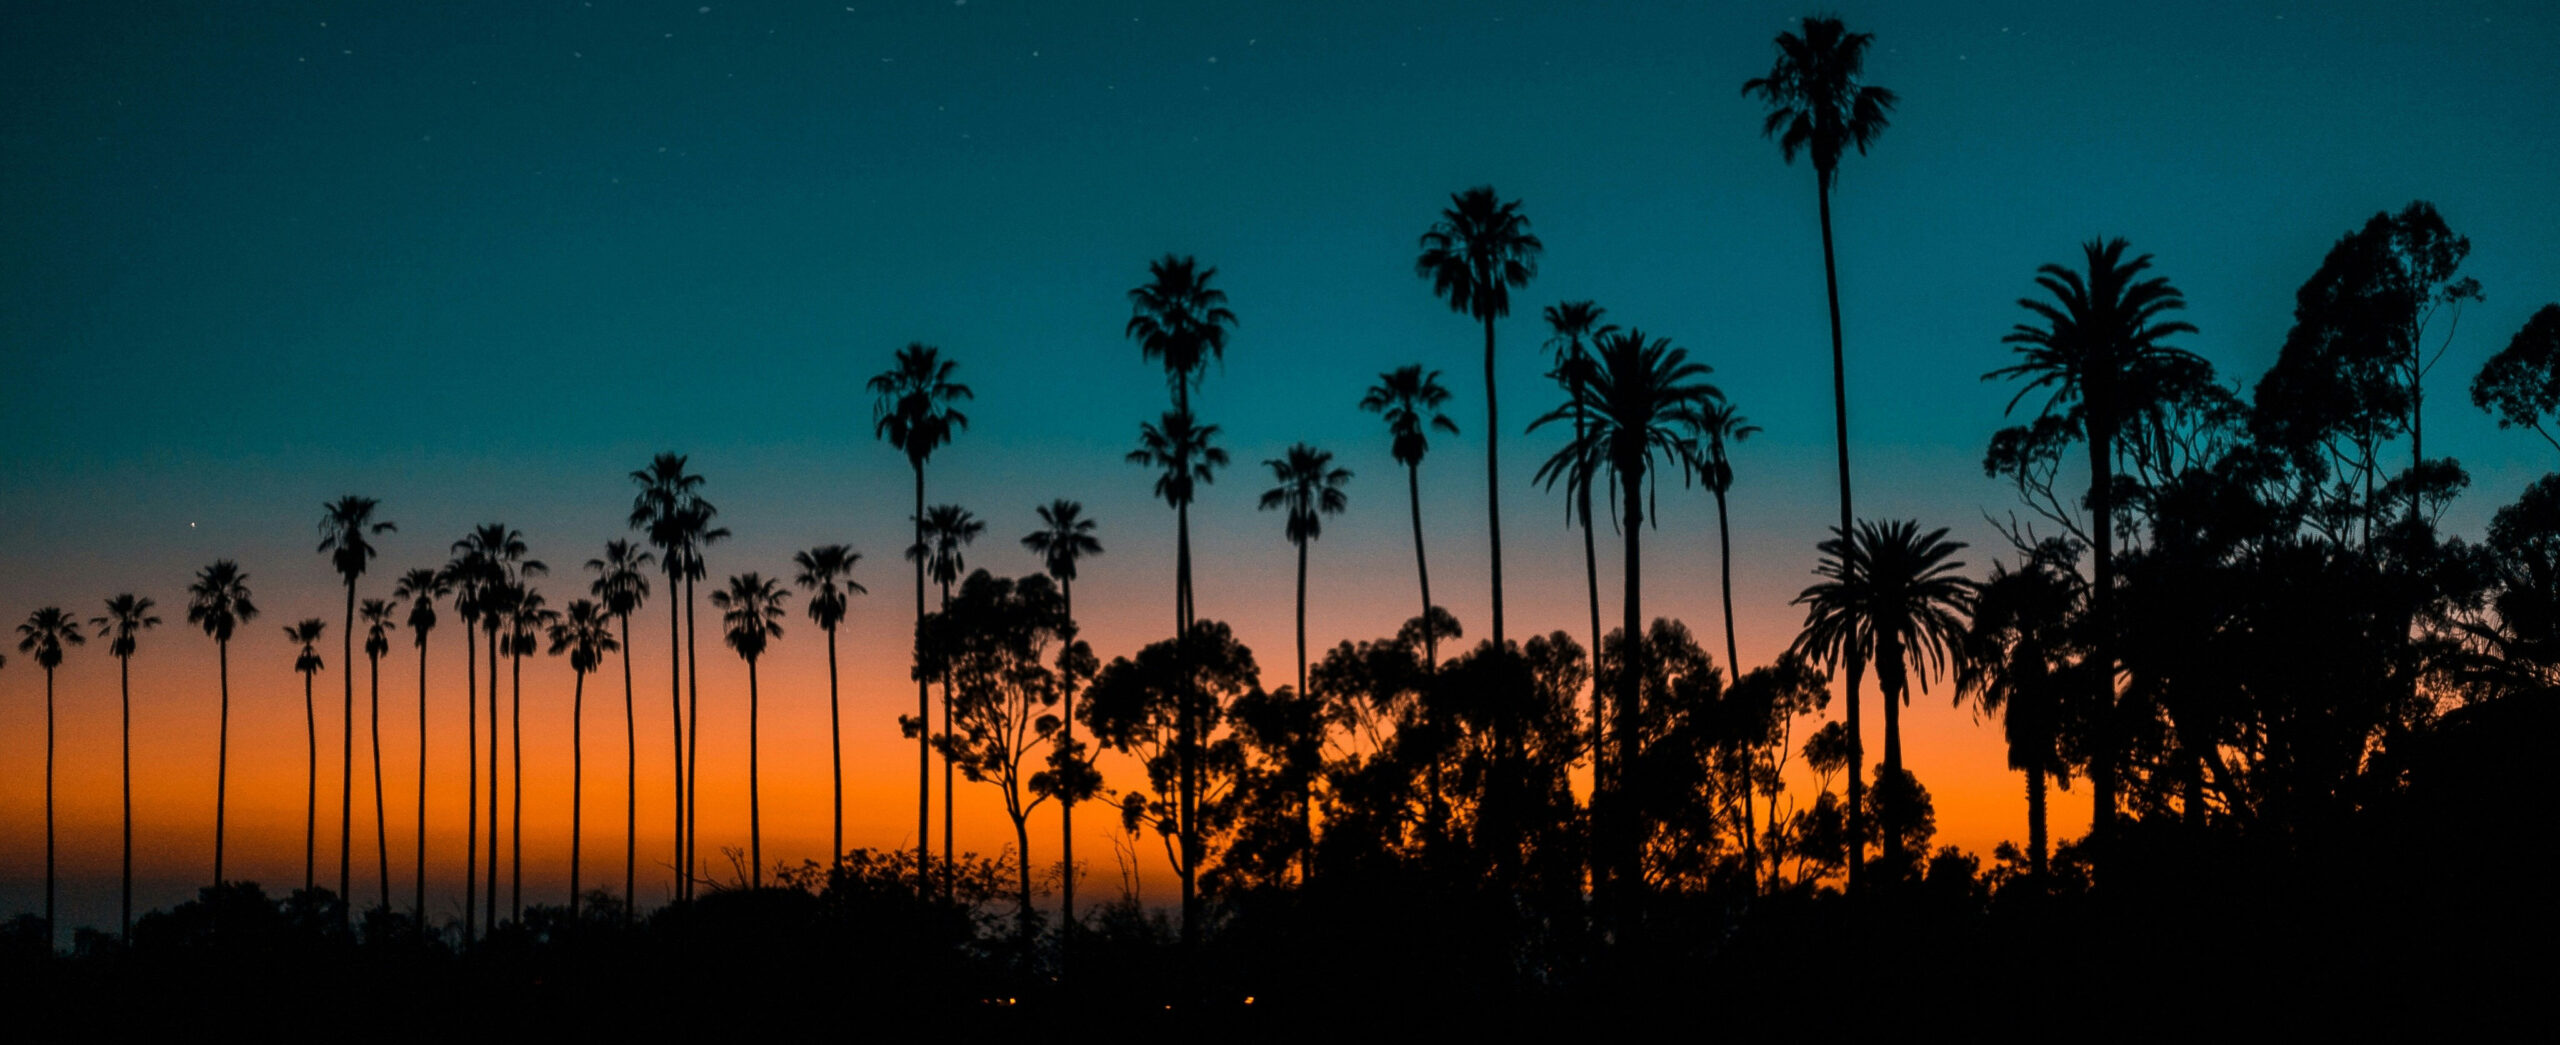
1065	537
622	584
2099	347
1475	254
219	603
2019	658
670	510
44	634
377	642
344	525
820	568
1410	400
1310	487
1820	104
1641	398
422	586
752	609
585	633
1721	427
1179	320
527	616
947	529
494	556
126	618
467	573
1573	323
308	662
912	409
1181	450
1890	593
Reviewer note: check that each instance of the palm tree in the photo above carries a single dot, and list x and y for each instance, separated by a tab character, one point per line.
820	568
527	617
44	634
377	642
622	584
467	573
2100	348
422	586
1410	400
1891	593
126	618
585	633
669	508
2019	658
494	554
219	603
308	662
947	529
1064	538
1475	254
1820	104
1309	488
1181	322
1722	427
912	409
1185	458
344	525
1573	323
753	610
1640	399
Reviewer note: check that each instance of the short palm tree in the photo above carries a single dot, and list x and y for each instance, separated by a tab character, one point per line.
752	610
913	409
1065	538
422	587
1722	427
585	633
669	508
1890	593
1642	399
377	614
621	585
947	529
1410	400
821	570
307	661
1572	325
344	526
219	603
2100	346
127	617
2020	656
43	636
1480	249
1309	488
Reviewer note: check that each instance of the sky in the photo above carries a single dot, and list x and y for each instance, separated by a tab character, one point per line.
481	260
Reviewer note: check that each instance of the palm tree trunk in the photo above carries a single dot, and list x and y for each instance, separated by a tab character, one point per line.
2035	821
1840	422
1493	480
2102	767
1302	619
675	714
1067	810
347	764
310	785
1422	565
630	783
49	934
1626	832
692	737
1895	813
577	788
124	678
381	838
222	763
515	786
420	909
1186	740
1733	668
489	898
835	747
1590	574
471	775
755	786
924	743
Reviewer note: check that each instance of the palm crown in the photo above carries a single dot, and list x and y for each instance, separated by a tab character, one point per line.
308	634
1410	400
44	634
422	587
1309	487
377	617
669	508
1065	536
1480	248
947	528
344	526
1719	424
1178	319
821	570
1181	447
126	618
1572	325
912	408
1889	593
584	632
218	601
622	577
1817	101
1641	398
2101	339
752	607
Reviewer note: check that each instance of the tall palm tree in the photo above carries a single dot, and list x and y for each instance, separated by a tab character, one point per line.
585	633
1410	400
1479	249
622	584
1820	104
820	568
1181	322
219	603
947	529
1722	426
1642	398
308	662
423	586
1573	324
495	556
1310	487
1185	458
2019	658
670	510
752	609
912	409
527	617
344	526
468	574
1065	538
44	634
1890	593
377	642
2100	346
126	618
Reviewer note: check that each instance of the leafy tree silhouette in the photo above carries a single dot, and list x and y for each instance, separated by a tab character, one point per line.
1410	400
43	636
423	587
913	410
1172	697
127	617
345	525
1479	249
820	570
621	586
2521	384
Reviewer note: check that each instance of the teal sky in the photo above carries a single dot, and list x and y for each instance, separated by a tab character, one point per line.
480	260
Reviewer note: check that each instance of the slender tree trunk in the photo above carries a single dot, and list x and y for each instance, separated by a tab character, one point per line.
347	766
924	741
2102	768
471	775
489	898
222	763
1840	422
1422	565
49	934
577	790
1896	813
1022	845
310	785
1493	480
1302	620
950	870
1733	668
835	747
2035	822
381	835
692	739
421	900
515	785
675	715
1590	576
755	786
630	784
124	673
1067	810
1186	737
1627	829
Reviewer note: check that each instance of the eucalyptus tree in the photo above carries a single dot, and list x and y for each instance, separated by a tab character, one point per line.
127	617
43	636
1479	249
1410	400
423	587
2521	384
1065	538
621	585
1309	488
345	525
947	529
913	409
821	570
752	611
585	633
377	642
670	510
307	661
219	602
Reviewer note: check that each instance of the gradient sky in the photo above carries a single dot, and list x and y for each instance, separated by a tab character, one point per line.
480	260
